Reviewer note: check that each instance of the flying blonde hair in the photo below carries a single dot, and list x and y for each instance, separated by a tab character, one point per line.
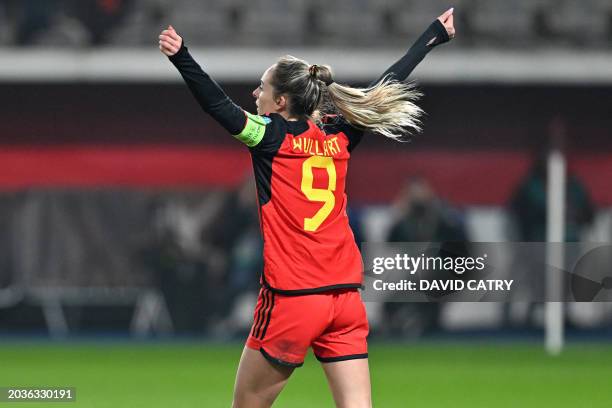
387	108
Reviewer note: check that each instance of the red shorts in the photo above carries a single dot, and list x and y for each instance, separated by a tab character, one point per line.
333	323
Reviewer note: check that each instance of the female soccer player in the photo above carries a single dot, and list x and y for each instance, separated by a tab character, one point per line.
312	268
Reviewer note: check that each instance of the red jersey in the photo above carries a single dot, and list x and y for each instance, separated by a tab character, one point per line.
300	170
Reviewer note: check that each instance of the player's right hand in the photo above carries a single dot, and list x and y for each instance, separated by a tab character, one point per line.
169	41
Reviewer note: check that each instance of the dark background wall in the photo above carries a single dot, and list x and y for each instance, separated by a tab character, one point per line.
458	116
478	140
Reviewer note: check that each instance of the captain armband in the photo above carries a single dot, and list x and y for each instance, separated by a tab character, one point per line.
254	129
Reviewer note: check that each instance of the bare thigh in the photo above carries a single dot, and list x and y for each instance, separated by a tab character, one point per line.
350	383
258	381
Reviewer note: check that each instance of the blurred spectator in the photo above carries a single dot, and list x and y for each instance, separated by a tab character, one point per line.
208	253
34	17
528	207
236	234
190	271
528	203
235	237
100	17
422	217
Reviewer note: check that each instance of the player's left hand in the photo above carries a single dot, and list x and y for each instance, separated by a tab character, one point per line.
169	41
447	21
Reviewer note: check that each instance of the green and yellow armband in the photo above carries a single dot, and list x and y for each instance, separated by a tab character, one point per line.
254	130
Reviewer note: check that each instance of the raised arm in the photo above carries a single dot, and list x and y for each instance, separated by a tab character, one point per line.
440	31
206	91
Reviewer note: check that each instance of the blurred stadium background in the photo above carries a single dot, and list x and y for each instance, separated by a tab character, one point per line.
130	248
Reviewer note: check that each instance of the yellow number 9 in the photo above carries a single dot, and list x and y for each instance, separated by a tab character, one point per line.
325	196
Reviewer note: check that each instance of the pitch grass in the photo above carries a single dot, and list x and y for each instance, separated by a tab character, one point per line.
173	375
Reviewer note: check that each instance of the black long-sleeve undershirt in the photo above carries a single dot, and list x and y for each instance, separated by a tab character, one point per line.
216	103
208	93
434	35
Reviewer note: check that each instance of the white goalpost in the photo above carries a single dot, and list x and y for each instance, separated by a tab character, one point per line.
555	232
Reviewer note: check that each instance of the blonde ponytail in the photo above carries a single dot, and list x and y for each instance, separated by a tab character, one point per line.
386	108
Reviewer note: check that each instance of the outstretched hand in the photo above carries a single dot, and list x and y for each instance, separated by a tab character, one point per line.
169	41
447	21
